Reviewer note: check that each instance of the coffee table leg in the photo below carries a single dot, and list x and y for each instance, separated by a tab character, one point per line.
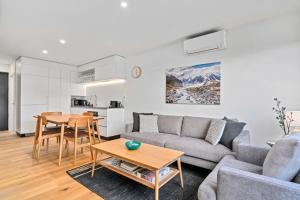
61	142
180	171
156	184
94	163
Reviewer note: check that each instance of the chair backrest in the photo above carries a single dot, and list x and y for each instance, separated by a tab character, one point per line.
87	114
51	113
41	120
79	122
45	114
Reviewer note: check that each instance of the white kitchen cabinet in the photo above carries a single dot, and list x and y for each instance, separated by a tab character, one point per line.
54	97
34	89
76	89
112	67
28	68
113	122
42	86
65	92
27	121
54	72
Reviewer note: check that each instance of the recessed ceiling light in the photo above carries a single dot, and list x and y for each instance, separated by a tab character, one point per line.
45	52
124	4
62	41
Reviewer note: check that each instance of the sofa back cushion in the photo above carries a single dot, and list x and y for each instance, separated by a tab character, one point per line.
232	129
148	123
169	124
195	127
283	160
136	121
297	178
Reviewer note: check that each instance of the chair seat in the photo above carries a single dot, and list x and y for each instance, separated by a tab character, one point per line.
52	128
80	134
52	132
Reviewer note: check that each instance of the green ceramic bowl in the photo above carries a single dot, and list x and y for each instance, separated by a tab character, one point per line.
133	145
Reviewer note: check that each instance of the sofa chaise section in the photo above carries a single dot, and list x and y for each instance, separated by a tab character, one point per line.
240	177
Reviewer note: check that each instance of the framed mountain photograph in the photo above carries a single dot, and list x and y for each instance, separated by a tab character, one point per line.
197	84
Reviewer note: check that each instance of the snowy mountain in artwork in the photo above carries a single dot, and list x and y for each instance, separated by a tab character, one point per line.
198	84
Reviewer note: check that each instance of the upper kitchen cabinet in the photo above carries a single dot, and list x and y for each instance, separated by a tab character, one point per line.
112	67
76	89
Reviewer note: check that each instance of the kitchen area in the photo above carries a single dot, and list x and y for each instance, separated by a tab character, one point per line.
97	87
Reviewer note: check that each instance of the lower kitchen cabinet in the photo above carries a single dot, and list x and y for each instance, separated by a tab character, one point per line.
113	122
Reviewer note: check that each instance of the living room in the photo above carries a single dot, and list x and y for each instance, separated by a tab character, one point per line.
208	94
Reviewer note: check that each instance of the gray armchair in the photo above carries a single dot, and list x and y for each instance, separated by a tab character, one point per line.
241	178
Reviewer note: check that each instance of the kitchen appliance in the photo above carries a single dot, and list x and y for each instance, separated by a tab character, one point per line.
79	102
115	104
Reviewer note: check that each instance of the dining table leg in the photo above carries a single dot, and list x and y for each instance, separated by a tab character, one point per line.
61	142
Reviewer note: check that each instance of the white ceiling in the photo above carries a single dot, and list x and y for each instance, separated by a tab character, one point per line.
97	28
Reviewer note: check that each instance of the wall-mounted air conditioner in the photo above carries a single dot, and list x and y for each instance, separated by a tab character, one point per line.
209	42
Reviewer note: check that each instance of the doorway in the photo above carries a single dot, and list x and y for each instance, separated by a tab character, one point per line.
3	101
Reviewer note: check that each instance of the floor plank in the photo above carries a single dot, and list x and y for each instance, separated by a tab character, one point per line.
23	178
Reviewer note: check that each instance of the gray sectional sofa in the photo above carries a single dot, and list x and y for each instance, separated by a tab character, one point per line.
240	178
187	134
236	173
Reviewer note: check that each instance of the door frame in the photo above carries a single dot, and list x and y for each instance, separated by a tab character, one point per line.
8	85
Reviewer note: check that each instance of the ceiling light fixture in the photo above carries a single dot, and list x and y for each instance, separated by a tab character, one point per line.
124	4
45	52
62	41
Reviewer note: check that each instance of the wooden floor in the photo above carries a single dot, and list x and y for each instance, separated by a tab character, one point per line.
21	177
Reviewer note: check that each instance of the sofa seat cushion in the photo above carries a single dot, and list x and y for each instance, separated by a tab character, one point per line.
199	148
208	188
195	127
158	139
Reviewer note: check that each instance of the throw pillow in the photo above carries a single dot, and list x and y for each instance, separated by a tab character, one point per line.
215	131
148	123
136	121
232	130
283	160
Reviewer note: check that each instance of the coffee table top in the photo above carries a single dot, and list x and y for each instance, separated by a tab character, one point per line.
147	156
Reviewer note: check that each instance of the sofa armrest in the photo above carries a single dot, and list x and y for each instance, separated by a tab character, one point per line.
243	137
234	184
128	127
252	154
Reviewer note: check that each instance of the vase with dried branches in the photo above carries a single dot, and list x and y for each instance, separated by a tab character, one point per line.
282	117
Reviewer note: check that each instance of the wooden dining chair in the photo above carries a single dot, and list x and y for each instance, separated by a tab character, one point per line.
41	134
94	127
51	128
79	128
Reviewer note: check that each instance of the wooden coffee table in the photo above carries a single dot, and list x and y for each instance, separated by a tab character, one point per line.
148	156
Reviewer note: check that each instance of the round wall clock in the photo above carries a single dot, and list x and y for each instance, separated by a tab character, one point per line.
136	72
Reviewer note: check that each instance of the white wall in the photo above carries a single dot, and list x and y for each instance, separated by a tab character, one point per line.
4	68
107	93
262	62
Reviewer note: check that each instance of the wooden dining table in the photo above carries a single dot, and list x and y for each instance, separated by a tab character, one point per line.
62	121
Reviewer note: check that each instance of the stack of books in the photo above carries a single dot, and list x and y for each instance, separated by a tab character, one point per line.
150	176
138	171
128	166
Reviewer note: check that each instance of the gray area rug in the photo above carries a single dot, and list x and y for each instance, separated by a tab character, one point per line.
112	186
